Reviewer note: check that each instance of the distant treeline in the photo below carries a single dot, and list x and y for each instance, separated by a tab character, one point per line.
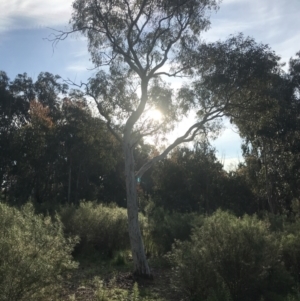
54	150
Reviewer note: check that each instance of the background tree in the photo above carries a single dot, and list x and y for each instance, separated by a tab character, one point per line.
271	142
189	180
88	152
33	156
54	150
13	114
193	180
263	103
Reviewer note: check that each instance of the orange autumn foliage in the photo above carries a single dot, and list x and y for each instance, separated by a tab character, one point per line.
40	114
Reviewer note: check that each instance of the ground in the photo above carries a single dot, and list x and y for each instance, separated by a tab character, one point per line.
108	280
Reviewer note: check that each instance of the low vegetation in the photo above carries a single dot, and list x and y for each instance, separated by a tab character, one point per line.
100	228
35	256
230	258
219	257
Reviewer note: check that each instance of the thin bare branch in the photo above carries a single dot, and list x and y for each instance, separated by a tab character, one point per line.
102	112
187	137
166	52
141	136
133	23
174	74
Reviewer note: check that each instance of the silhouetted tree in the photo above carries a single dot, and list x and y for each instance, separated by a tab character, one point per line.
194	180
53	150
271	142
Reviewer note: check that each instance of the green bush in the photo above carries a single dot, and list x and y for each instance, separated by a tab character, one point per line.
165	227
291	248
287	230
237	258
34	255
100	228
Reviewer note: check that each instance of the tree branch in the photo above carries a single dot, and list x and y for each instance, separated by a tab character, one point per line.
166	52
146	134
100	109
187	137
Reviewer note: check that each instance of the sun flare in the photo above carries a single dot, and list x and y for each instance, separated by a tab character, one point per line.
155	115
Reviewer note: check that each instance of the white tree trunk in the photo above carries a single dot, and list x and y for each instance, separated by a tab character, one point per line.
141	266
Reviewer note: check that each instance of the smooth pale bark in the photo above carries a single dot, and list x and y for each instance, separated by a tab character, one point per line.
141	266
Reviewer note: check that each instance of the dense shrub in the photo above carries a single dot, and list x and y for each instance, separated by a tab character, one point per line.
34	255
291	248
100	228
287	231
237	259
164	227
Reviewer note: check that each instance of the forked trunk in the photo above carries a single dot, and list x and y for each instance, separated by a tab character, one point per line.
141	267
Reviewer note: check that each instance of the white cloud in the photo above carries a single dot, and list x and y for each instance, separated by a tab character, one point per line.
78	67
20	14
225	2
269	22
80	53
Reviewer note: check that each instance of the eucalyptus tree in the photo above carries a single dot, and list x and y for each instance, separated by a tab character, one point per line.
141	42
251	76
13	114
138	45
189	180
271	145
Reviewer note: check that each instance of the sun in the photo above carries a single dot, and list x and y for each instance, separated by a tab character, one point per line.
155	114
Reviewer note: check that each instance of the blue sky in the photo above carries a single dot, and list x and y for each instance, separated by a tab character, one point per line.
24	27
